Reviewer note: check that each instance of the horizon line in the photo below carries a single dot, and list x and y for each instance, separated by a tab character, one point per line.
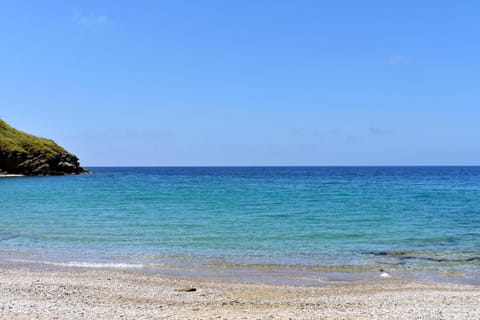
280	166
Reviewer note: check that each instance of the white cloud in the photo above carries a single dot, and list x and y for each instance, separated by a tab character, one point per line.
90	20
397	59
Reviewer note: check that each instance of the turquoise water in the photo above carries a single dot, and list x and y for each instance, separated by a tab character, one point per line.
353	219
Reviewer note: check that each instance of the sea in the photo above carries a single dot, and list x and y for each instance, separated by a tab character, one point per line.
295	225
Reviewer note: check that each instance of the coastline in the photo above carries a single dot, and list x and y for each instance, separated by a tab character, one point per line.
119	244
81	293
275	274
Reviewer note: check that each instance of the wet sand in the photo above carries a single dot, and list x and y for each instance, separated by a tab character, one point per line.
83	293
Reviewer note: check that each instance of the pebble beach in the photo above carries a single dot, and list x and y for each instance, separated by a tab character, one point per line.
82	293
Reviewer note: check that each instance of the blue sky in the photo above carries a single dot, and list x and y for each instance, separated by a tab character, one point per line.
246	82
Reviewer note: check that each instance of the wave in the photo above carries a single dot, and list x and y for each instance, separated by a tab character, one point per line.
82	264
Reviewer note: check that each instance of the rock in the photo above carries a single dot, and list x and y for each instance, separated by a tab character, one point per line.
186	289
22	153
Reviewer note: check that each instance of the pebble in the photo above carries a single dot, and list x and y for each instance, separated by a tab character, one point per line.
186	289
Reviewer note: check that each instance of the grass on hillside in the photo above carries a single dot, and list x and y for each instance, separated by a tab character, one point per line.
16	141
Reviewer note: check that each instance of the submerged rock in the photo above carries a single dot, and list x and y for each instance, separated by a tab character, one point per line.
23	153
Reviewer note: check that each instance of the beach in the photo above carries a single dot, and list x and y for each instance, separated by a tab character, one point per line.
85	293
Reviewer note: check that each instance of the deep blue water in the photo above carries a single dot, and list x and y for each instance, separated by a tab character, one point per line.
336	218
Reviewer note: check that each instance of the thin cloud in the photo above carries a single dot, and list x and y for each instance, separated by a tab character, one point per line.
397	59
90	20
122	135
353	139
297	132
379	132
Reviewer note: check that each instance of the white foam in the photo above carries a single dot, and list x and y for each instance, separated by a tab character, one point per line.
81	264
99	265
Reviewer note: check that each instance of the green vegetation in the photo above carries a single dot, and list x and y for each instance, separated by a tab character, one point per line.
13	141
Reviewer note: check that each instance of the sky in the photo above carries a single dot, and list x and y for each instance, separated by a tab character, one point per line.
246	82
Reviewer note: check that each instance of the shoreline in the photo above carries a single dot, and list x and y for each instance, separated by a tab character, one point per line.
260	274
276	274
8	175
76	293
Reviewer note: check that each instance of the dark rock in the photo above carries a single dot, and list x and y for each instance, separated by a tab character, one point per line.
186	289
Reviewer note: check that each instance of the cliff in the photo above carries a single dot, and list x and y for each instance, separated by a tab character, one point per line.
23	153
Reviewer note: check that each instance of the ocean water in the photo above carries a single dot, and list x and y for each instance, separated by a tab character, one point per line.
306	221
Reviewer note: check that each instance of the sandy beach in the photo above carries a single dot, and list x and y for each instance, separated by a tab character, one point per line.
117	294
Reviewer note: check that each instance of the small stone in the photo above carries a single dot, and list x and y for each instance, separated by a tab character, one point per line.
186	289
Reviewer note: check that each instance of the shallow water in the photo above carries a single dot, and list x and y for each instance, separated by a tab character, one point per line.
316	219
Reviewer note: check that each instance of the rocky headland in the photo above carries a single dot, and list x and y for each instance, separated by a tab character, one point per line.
25	154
